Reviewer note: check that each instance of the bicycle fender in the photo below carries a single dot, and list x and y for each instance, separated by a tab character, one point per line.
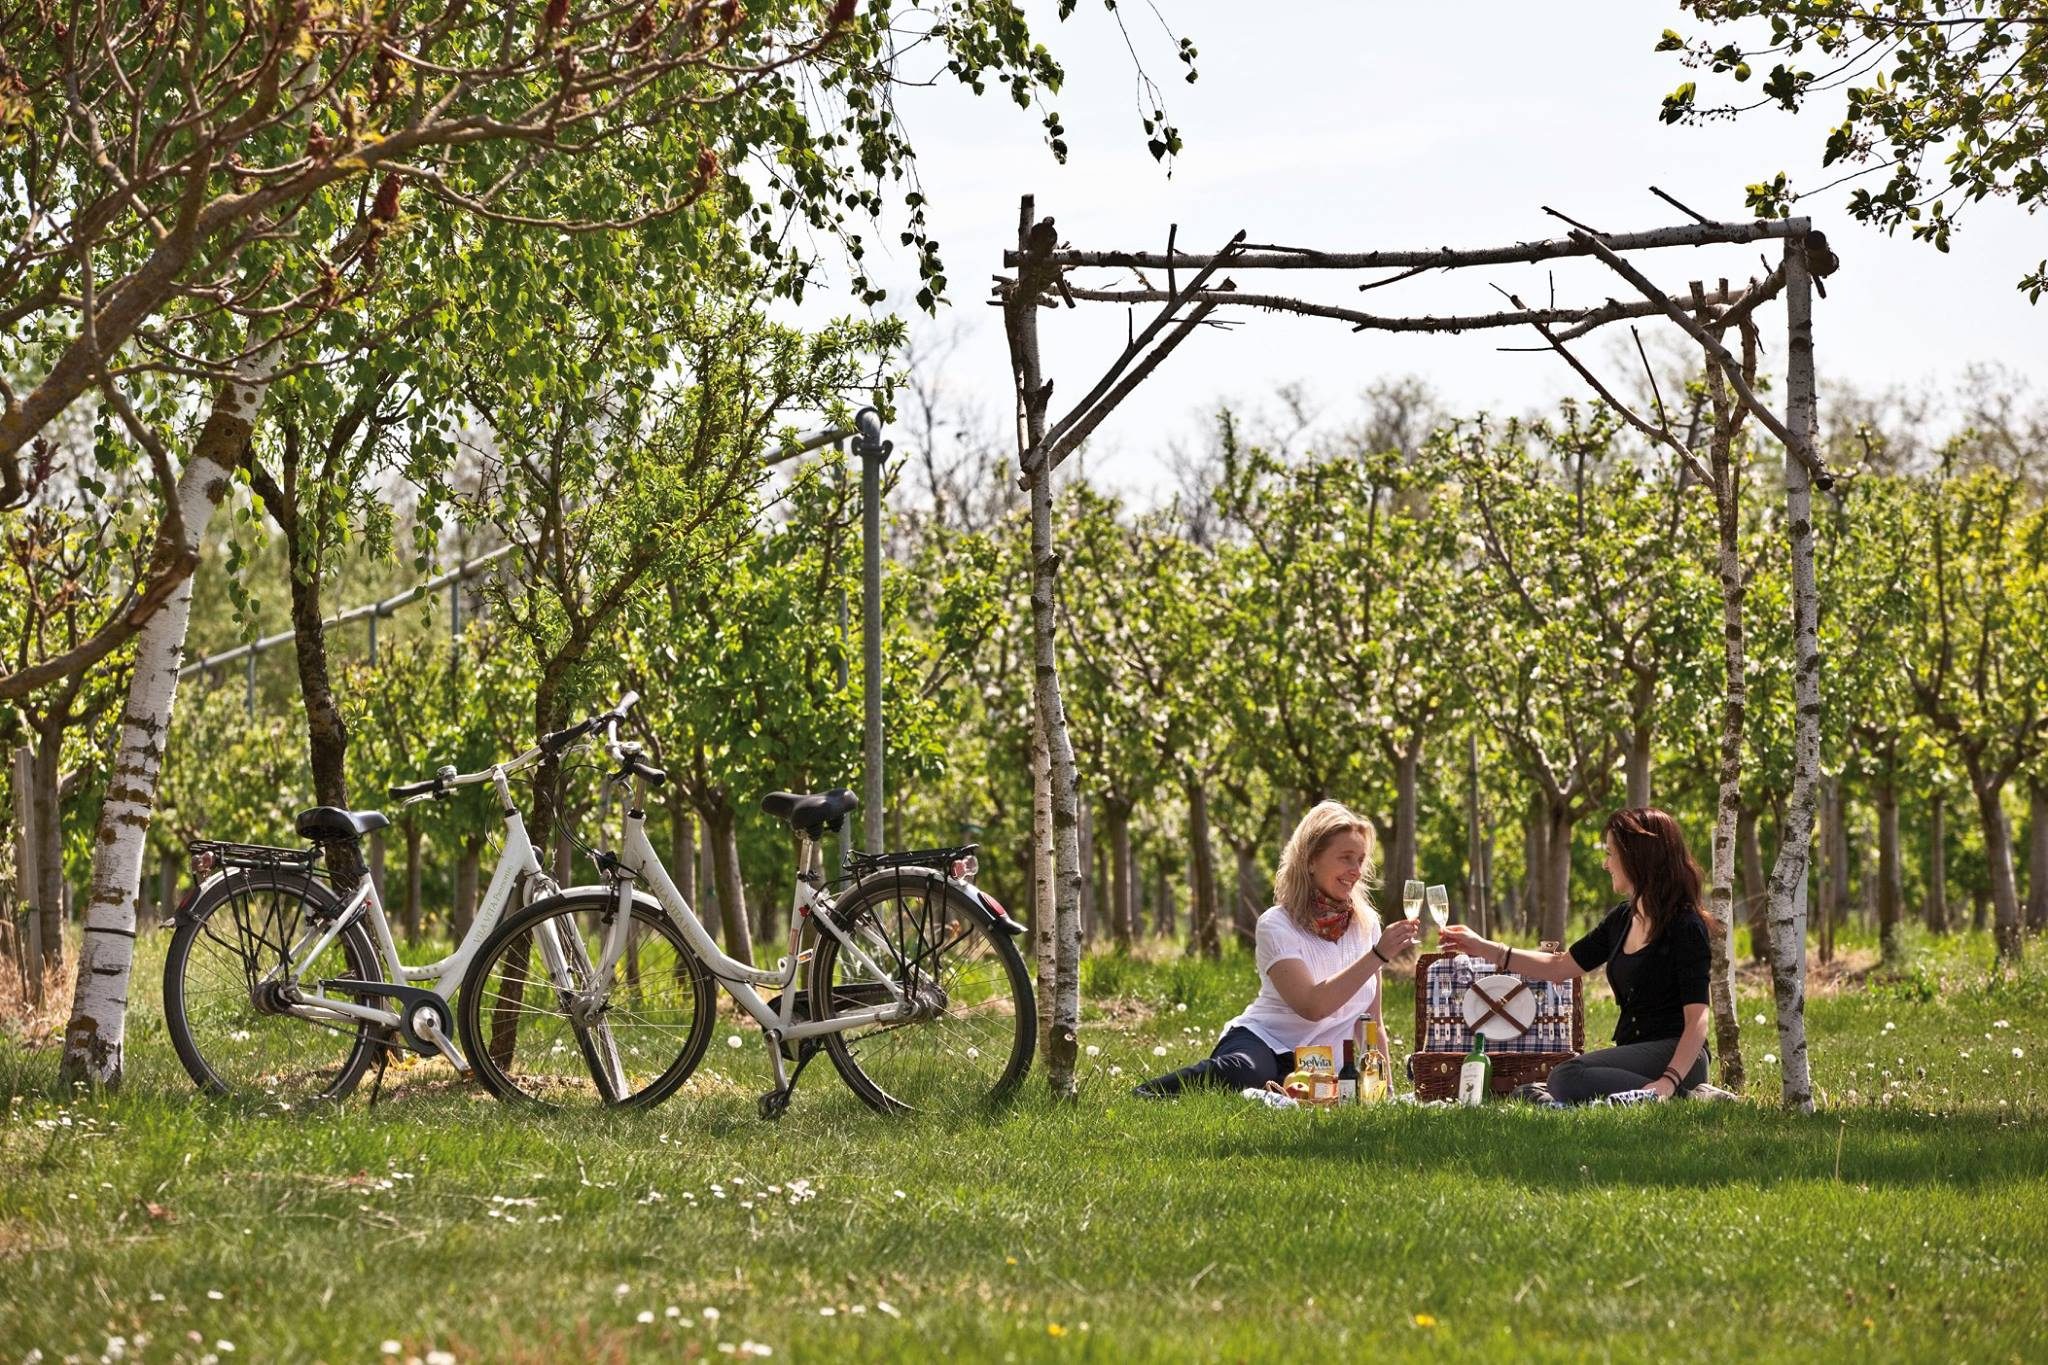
997	915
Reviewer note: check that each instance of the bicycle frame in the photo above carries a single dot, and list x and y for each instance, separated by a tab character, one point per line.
639	861
516	860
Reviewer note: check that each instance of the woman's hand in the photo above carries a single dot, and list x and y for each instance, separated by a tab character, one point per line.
1396	938
1662	1088
1459	938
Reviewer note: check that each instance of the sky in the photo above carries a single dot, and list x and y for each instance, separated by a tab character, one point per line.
1358	126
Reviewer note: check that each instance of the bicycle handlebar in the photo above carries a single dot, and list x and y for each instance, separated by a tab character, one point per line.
437	787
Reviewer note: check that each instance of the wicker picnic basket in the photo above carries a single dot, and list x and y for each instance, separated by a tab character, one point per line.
1434	1067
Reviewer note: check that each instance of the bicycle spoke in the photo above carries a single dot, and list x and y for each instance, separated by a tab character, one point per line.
637	1025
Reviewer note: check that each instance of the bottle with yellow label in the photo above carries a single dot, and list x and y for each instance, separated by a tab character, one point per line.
1373	1084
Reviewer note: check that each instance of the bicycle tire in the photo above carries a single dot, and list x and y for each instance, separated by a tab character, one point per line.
496	1071
195	929
953	1077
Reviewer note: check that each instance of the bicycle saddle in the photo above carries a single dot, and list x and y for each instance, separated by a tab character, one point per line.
809	814
323	824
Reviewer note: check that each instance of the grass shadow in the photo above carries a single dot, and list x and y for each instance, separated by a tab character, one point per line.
1690	1146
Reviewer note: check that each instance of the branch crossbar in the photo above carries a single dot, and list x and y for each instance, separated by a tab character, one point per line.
1586	319
1443	257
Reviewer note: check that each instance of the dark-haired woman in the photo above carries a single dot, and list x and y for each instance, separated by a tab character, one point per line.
1655	948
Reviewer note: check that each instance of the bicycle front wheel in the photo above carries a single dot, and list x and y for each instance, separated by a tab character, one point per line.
539	1024
975	1026
233	1024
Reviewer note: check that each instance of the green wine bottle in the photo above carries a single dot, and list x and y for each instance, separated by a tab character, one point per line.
1475	1077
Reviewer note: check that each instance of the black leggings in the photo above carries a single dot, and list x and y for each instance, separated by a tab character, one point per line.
1613	1069
1241	1061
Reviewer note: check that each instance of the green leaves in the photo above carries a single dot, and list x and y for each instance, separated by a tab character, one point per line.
1950	101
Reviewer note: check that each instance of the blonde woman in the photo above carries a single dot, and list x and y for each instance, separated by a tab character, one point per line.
1320	951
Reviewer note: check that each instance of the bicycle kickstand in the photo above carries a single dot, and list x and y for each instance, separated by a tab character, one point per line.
383	1061
773	1104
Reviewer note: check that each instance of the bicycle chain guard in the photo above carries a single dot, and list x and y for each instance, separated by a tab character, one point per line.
411	1001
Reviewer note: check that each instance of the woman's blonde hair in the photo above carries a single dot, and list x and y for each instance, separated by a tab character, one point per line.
1294	886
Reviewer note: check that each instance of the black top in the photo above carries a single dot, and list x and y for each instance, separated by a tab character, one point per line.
1654	984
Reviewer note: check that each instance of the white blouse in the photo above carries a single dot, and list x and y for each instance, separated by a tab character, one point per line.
1272	1018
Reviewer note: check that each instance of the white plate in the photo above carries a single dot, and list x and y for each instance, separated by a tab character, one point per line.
1521	1009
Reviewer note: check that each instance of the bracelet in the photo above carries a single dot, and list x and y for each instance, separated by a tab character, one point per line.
1385	961
1507	956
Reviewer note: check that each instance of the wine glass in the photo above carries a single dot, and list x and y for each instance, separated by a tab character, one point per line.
1440	907
1411	900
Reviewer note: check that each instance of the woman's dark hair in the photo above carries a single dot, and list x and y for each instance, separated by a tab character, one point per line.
1659	865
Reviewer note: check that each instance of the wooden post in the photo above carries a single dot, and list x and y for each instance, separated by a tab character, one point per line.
1789	872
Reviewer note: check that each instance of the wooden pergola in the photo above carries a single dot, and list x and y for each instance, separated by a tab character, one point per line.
1046	273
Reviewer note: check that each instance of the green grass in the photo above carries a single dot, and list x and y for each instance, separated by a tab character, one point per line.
1909	1227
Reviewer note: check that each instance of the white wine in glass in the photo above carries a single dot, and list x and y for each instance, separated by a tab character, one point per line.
1411	900
1440	906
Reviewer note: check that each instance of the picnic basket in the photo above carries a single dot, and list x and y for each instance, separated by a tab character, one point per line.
1557	1034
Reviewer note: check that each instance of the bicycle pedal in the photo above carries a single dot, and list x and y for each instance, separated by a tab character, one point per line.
773	1104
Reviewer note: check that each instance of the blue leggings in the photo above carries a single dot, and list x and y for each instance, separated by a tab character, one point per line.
1240	1061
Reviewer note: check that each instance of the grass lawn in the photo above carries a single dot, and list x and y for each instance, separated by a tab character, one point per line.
1906	1220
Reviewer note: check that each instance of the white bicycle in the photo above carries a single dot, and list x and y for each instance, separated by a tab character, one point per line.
909	978
274	986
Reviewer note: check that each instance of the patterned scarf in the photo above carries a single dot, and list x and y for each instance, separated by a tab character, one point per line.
1330	918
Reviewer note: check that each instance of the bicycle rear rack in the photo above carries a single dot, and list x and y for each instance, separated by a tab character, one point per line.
937	859
222	853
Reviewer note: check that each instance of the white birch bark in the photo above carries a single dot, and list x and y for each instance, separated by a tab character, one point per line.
1789	872
93	1038
1734	709
1044	916
1063	1034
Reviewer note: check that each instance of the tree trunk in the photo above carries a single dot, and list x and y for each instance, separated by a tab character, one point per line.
1640	743
1789	873
46	776
97	1028
1535	868
1087	838
467	865
1165	917
1044	918
166	885
1834	877
712	912
2037	856
1557	888
377	867
1064	1048
1478	857
1250	899
2005	895
1937	864
1891	894
413	837
1202	870
1728	811
326	730
1401	858
721	835
1755	888
682	855
1123	920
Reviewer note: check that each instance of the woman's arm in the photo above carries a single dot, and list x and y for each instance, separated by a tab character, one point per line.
1537	966
1312	999
1689	1044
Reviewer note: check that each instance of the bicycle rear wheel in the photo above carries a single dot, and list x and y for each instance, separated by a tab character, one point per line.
538	1025
970	1042
232	1029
